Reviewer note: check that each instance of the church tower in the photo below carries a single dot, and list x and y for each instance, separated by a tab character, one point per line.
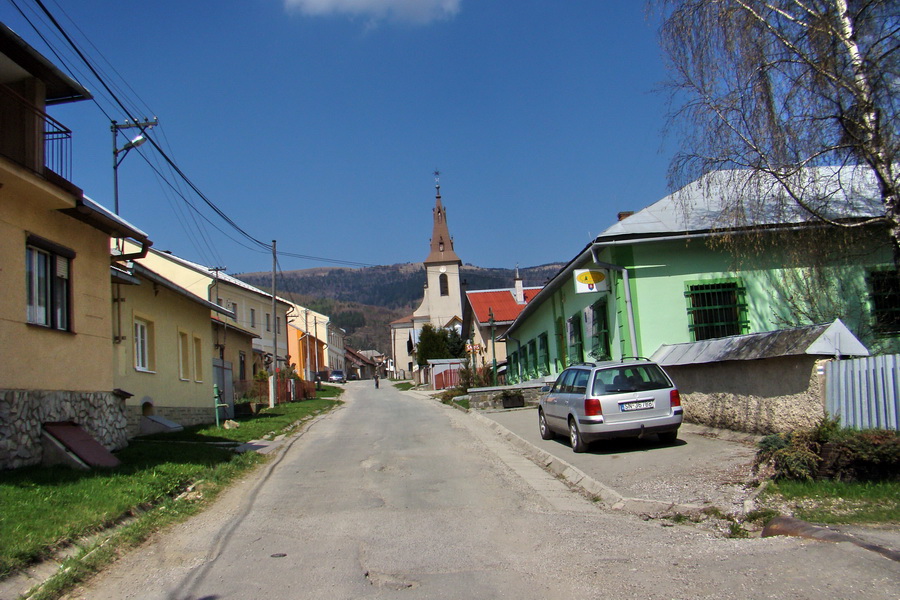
442	304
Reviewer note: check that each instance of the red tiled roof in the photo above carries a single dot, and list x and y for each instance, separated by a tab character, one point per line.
503	303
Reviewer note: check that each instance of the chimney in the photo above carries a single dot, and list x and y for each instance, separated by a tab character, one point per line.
520	291
625	214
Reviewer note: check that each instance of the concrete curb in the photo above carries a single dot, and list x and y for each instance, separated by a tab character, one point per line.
581	481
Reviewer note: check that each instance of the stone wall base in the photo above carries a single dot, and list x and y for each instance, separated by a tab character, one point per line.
492	397
22	413
183	415
766	396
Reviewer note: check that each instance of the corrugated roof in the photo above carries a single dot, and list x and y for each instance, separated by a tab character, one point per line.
503	302
821	340
839	193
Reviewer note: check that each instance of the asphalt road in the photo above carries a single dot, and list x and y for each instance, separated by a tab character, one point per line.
397	496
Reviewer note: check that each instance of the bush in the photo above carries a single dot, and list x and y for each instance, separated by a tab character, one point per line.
829	452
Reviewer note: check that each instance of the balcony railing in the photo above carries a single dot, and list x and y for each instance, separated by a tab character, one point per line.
32	138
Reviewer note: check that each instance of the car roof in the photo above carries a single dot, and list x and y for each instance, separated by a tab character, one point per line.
605	364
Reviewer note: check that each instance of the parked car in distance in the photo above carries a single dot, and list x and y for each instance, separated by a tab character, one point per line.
337	376
592	401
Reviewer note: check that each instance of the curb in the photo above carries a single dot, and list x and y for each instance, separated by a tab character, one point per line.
581	481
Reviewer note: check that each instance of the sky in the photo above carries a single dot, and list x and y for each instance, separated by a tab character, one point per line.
319	123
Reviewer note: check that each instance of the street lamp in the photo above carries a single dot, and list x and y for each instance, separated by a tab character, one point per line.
134	143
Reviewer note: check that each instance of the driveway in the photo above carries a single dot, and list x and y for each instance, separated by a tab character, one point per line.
705	468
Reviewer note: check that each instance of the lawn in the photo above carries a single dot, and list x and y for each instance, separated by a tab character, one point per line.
403	385
46	508
835	502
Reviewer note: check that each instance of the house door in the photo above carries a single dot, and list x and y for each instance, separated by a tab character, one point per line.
225	380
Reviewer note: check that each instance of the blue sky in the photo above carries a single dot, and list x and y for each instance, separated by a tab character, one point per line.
318	123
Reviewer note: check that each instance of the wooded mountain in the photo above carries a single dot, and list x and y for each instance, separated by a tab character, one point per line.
364	301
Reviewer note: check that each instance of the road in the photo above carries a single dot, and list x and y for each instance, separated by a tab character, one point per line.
396	496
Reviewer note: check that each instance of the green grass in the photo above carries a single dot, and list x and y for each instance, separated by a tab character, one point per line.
270	420
833	502
403	385
44	509
464	402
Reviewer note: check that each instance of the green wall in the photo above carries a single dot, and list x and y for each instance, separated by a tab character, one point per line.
781	291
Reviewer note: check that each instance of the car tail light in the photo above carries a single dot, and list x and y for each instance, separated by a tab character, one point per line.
674	398
592	407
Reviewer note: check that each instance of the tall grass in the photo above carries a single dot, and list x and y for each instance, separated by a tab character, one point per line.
833	502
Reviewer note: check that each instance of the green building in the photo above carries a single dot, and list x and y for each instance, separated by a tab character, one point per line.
687	269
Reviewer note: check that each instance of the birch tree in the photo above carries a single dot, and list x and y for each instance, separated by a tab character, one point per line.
770	89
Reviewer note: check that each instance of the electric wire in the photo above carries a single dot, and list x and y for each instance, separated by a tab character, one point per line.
261	247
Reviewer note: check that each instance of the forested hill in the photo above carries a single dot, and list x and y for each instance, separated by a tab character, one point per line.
364	301
393	286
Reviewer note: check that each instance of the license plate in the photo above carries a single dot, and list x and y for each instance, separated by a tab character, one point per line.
637	405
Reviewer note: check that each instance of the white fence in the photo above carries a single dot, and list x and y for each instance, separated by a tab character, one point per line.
864	392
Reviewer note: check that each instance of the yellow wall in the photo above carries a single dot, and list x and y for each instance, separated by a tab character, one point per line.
234	341
33	357
171	315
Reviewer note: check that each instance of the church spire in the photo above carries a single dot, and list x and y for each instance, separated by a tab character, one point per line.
441	242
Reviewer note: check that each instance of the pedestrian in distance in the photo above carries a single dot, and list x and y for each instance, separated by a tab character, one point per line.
376	381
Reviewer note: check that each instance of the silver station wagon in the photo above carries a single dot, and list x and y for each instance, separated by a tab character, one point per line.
593	401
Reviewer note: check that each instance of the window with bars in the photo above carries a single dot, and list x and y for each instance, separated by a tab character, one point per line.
716	309
885	296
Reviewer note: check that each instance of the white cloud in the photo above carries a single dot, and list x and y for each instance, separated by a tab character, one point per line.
413	11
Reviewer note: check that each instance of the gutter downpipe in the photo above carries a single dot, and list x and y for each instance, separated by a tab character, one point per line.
629	309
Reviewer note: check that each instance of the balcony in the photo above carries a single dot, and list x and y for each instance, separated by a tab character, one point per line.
35	140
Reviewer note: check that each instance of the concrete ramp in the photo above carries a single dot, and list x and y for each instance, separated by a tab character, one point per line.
153	424
76	441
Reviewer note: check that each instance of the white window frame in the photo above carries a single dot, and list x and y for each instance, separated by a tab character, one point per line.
143	345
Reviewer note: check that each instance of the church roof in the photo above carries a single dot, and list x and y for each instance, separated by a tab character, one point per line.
441	242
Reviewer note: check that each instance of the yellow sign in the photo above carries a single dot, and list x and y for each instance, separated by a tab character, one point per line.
591	280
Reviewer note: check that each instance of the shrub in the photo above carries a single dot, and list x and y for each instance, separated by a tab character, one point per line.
828	451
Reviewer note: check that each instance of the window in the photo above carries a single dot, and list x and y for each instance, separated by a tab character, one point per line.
885	287
513	366
543	354
237	314
198	359
576	346
143	345
184	356
47	283
600	346
253	318
716	309
278	324
268	322
533	365
242	365
444	284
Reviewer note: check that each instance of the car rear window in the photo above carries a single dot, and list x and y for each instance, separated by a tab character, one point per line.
629	378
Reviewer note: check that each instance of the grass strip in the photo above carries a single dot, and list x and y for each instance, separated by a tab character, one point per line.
44	509
837	502
403	386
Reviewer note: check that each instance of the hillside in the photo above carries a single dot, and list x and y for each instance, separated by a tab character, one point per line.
364	301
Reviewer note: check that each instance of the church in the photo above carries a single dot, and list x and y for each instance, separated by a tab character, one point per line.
442	303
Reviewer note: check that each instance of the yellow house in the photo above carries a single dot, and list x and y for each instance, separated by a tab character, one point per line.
308	341
251	308
56	349
165	356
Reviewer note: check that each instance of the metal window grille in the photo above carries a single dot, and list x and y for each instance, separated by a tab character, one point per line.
716	310
885	287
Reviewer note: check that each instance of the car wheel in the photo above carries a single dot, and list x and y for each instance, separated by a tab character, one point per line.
575	438
546	434
668	437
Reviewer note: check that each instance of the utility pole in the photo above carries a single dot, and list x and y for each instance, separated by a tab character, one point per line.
493	344
274	314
